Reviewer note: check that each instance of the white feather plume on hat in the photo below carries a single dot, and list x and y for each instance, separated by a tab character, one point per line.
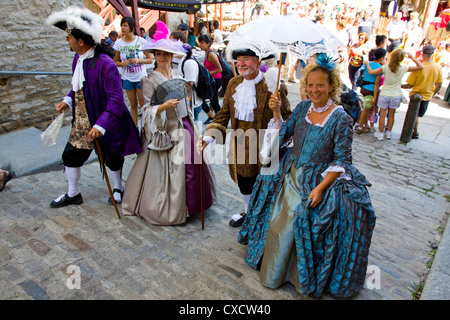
263	49
78	18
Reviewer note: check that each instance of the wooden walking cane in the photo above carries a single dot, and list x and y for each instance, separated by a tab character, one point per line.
202	209
100	157
201	194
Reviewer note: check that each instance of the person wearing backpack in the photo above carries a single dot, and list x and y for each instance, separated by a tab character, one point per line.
370	89
197	75
391	94
190	69
211	63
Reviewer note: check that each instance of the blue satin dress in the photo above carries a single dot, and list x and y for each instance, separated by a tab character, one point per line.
320	249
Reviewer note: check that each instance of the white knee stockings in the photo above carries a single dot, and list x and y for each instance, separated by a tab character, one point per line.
246	199
73	178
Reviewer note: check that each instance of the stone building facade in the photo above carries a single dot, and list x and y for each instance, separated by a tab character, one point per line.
28	44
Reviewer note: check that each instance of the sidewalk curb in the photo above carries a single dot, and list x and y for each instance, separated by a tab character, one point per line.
437	284
23	151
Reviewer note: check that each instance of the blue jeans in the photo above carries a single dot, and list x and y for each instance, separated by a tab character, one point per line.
128	85
197	111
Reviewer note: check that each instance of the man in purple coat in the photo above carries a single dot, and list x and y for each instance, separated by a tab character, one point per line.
98	108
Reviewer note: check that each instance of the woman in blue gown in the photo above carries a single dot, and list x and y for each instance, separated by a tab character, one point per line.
311	221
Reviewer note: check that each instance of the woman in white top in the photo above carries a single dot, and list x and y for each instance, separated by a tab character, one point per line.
130	59
391	93
217	34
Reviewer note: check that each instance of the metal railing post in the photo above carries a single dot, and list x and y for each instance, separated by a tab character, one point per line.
34	73
410	119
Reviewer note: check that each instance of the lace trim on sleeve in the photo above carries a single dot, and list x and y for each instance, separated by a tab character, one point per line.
336	168
269	139
156	134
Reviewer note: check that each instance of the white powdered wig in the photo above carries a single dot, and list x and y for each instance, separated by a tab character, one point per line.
78	18
262	48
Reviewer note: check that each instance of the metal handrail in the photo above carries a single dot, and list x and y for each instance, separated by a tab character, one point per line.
19	73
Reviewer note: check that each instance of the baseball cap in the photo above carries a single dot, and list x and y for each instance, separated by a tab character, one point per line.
183	27
428	49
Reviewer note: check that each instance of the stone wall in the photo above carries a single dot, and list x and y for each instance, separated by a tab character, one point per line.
28	44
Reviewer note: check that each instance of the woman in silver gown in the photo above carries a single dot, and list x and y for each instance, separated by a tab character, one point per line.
164	185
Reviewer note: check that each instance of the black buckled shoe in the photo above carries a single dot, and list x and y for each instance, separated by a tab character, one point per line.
65	200
120	192
237	221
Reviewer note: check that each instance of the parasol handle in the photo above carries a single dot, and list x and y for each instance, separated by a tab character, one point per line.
278	79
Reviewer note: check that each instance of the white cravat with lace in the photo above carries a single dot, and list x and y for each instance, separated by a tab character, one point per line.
245	99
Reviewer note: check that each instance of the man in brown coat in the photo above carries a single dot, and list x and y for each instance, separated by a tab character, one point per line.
246	105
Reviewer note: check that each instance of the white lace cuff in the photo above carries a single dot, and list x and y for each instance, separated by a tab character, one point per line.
68	100
269	139
102	130
156	121
210	141
340	169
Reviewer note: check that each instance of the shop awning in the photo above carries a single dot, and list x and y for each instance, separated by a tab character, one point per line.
190	6
218	1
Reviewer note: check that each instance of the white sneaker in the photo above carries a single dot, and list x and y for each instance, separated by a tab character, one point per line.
388	135
378	135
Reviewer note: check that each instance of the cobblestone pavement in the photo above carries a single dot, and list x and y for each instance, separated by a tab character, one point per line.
41	248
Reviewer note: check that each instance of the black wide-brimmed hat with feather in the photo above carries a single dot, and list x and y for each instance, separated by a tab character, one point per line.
81	19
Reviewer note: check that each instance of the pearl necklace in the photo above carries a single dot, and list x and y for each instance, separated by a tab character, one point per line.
324	108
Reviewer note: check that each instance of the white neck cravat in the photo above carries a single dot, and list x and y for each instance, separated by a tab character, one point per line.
245	99
78	74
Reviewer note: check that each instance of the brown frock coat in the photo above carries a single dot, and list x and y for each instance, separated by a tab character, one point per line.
243	158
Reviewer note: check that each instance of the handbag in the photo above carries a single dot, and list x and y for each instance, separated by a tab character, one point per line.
368	102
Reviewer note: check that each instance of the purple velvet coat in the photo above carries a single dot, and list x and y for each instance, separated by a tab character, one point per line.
106	107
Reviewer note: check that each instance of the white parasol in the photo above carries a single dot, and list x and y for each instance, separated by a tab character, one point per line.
329	44
282	29
291	34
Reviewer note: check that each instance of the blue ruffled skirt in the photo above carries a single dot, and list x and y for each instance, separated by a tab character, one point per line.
321	249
